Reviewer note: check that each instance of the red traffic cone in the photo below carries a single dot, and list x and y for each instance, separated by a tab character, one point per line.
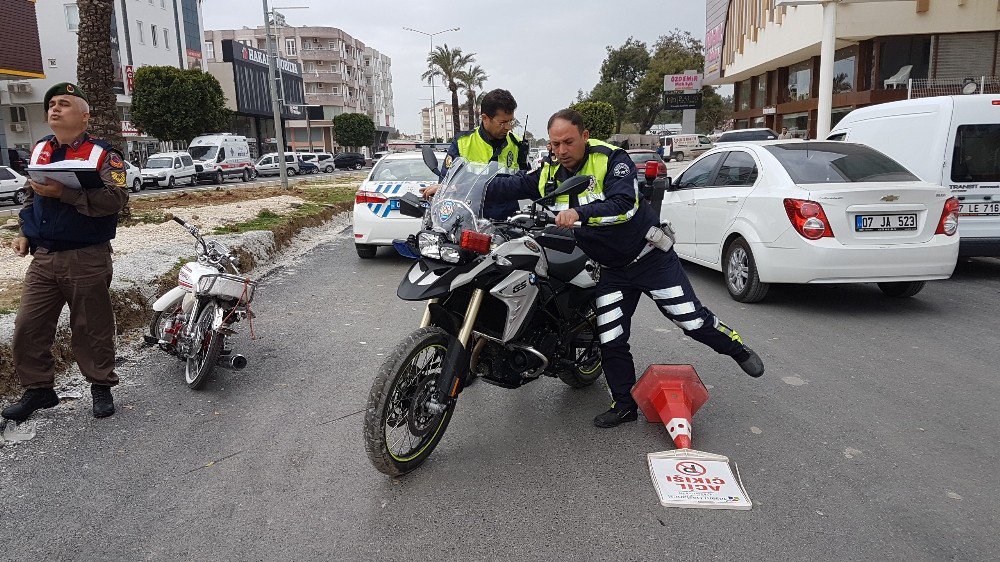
671	394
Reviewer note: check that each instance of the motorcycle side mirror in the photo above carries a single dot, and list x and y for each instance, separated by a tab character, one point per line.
573	186
410	205
429	158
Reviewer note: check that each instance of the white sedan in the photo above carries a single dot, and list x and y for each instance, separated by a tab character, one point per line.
377	220
811	212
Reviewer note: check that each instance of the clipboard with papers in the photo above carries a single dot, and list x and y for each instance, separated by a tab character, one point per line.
67	172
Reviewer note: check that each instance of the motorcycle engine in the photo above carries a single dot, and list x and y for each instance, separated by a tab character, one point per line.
519	364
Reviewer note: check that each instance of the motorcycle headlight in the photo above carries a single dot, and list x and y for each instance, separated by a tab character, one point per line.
430	245
451	254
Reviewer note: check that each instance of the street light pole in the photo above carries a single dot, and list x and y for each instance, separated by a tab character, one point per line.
279	133
433	98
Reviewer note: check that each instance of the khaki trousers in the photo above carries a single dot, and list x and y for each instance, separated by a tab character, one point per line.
80	278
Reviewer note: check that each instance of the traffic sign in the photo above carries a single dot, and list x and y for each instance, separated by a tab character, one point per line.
677	100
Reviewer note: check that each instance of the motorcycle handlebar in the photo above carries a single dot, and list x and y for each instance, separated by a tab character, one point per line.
179	221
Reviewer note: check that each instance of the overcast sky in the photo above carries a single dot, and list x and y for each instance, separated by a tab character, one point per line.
543	52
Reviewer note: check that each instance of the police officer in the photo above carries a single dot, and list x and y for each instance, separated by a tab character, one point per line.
615	232
68	233
492	141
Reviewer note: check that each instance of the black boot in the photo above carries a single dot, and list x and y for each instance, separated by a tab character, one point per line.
750	362
104	404
617	415
33	399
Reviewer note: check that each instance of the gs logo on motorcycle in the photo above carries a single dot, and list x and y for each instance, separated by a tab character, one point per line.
446	211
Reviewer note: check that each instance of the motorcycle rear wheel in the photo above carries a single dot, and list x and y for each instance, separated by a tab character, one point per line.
400	431
203	363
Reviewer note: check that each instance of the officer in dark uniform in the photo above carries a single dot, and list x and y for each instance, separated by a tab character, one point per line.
615	232
492	141
68	232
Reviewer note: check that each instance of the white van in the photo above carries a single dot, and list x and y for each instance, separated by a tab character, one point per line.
952	141
221	155
268	164
679	147
167	169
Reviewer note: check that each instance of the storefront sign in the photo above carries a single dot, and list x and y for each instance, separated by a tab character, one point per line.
681	82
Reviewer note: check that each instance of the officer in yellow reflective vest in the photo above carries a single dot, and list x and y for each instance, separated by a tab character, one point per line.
492	141
616	225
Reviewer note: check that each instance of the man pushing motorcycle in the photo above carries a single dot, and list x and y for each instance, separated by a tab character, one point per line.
622	233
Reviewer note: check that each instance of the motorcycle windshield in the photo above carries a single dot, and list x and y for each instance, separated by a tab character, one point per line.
458	203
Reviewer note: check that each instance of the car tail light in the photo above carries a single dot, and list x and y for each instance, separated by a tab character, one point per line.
652	170
948	225
808	218
476	242
369	197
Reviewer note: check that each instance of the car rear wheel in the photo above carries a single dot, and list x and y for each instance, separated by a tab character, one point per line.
137	186
366	251
19	196
218	177
290	172
902	289
328	169
246	175
742	279
679	157
358	166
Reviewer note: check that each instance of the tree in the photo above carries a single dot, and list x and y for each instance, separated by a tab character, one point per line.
471	79
715	110
447	63
672	54
354	129
621	72
95	69
174	104
598	117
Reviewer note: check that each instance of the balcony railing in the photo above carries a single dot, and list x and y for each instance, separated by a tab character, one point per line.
953	86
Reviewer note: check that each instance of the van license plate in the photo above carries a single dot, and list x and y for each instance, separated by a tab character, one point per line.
979	209
884	223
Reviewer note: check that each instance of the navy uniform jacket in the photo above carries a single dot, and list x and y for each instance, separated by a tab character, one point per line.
615	245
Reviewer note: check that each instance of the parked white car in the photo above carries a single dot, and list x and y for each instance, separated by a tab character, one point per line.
268	164
167	169
12	185
377	220
952	141
323	160
811	212
133	177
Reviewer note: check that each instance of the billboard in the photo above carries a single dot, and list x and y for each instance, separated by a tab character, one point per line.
716	12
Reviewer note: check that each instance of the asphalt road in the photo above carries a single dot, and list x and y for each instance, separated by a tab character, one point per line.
873	435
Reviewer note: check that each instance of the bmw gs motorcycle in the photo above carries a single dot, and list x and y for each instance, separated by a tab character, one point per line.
507	301
192	320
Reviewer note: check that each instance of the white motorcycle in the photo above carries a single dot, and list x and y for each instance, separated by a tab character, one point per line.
191	321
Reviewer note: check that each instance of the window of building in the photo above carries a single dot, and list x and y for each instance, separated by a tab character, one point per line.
152	34
760	96
310	66
166	38
141	35
843	70
163	4
744	95
72	17
799	81
335	91
332	45
797	124
291	47
17	114
902	58
209	49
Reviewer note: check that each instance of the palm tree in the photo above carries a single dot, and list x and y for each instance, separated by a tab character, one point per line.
95	70
471	79
447	63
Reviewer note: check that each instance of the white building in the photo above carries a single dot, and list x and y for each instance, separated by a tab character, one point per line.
440	123
145	34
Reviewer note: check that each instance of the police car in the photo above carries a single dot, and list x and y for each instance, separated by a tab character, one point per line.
377	221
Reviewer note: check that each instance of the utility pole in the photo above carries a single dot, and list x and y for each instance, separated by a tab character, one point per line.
279	133
433	98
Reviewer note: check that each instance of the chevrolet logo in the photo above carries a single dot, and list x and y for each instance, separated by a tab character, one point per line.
890	198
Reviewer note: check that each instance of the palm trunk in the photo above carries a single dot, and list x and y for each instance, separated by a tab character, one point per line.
456	120
95	70
472	108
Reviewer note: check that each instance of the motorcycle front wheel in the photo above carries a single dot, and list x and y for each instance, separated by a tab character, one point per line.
401	427
209	345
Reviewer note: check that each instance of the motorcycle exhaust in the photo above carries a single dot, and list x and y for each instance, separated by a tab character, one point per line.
236	362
